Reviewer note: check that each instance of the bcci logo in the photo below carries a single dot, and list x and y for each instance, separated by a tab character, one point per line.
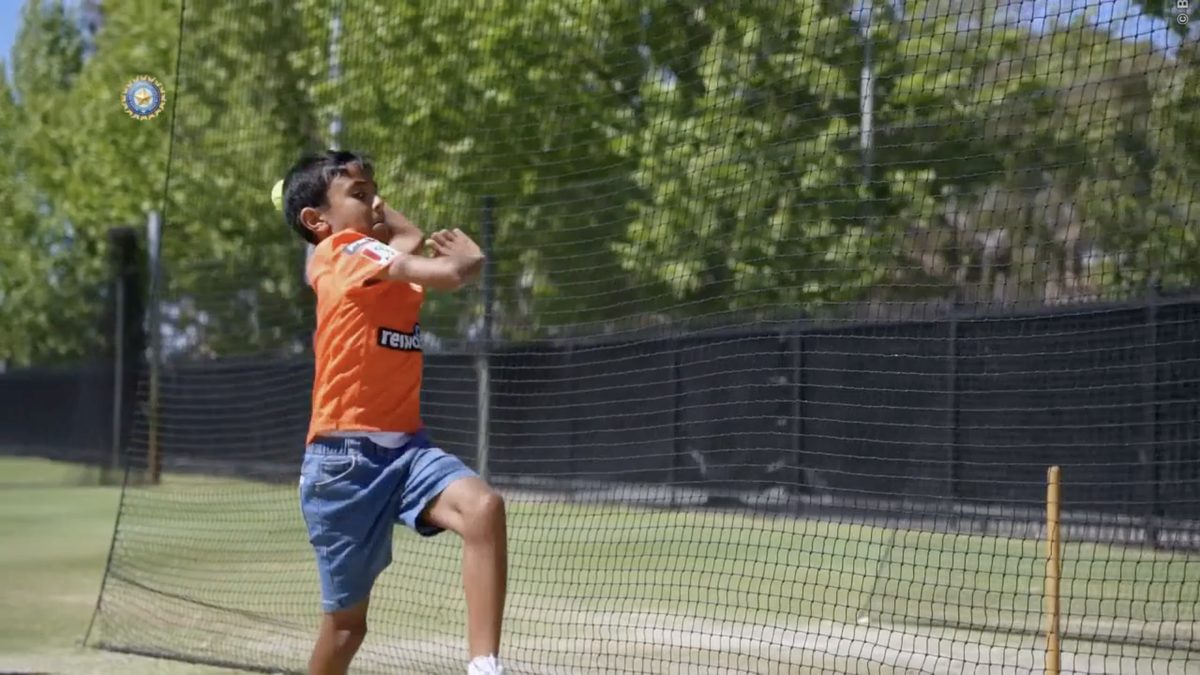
144	98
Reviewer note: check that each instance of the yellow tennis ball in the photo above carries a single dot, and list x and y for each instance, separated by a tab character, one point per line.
277	196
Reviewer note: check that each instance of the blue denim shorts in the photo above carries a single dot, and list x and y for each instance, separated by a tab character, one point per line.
353	492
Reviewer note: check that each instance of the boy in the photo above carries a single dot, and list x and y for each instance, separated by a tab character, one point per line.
369	463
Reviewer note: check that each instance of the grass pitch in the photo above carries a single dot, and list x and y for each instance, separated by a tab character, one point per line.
53	545
220	569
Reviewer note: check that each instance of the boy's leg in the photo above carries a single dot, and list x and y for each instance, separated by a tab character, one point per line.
346	494
470	508
441	493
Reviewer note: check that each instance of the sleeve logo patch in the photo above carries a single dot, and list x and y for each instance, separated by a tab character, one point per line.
375	251
390	338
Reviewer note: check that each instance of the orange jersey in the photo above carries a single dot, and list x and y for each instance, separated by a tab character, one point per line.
368	340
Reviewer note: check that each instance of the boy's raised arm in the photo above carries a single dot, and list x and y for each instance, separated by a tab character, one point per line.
457	261
448	273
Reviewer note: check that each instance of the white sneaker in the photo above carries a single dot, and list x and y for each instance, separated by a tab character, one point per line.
485	665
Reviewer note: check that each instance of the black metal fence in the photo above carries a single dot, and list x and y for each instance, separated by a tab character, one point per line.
968	410
85	414
58	414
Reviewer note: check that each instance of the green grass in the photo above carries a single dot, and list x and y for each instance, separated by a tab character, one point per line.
30	472
52	559
53	545
772	570
221	568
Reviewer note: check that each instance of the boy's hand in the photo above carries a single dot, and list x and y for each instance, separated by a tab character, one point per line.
397	232
453	243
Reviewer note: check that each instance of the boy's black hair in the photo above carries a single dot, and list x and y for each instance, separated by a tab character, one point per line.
307	184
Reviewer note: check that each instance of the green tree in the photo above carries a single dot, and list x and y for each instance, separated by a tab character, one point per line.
964	132
523	101
1036	182
746	151
660	160
234	275
51	287
634	174
234	118
1134	191
24	302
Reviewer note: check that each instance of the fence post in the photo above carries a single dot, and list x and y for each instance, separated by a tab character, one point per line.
952	404
153	447
1148	452
126	337
571	400
673	345
483	354
796	421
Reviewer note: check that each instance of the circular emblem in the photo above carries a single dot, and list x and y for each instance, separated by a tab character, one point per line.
144	98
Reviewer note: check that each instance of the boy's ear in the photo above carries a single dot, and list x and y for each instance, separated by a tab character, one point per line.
312	219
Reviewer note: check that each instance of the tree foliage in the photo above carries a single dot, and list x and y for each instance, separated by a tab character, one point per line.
52	270
650	161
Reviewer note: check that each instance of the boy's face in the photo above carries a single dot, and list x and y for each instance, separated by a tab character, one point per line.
352	204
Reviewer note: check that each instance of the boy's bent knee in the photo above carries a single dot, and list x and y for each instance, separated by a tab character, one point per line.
469	507
483	513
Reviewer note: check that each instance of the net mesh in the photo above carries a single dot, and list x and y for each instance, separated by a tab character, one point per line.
790	306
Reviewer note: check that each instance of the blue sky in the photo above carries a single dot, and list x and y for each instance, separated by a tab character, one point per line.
10	20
